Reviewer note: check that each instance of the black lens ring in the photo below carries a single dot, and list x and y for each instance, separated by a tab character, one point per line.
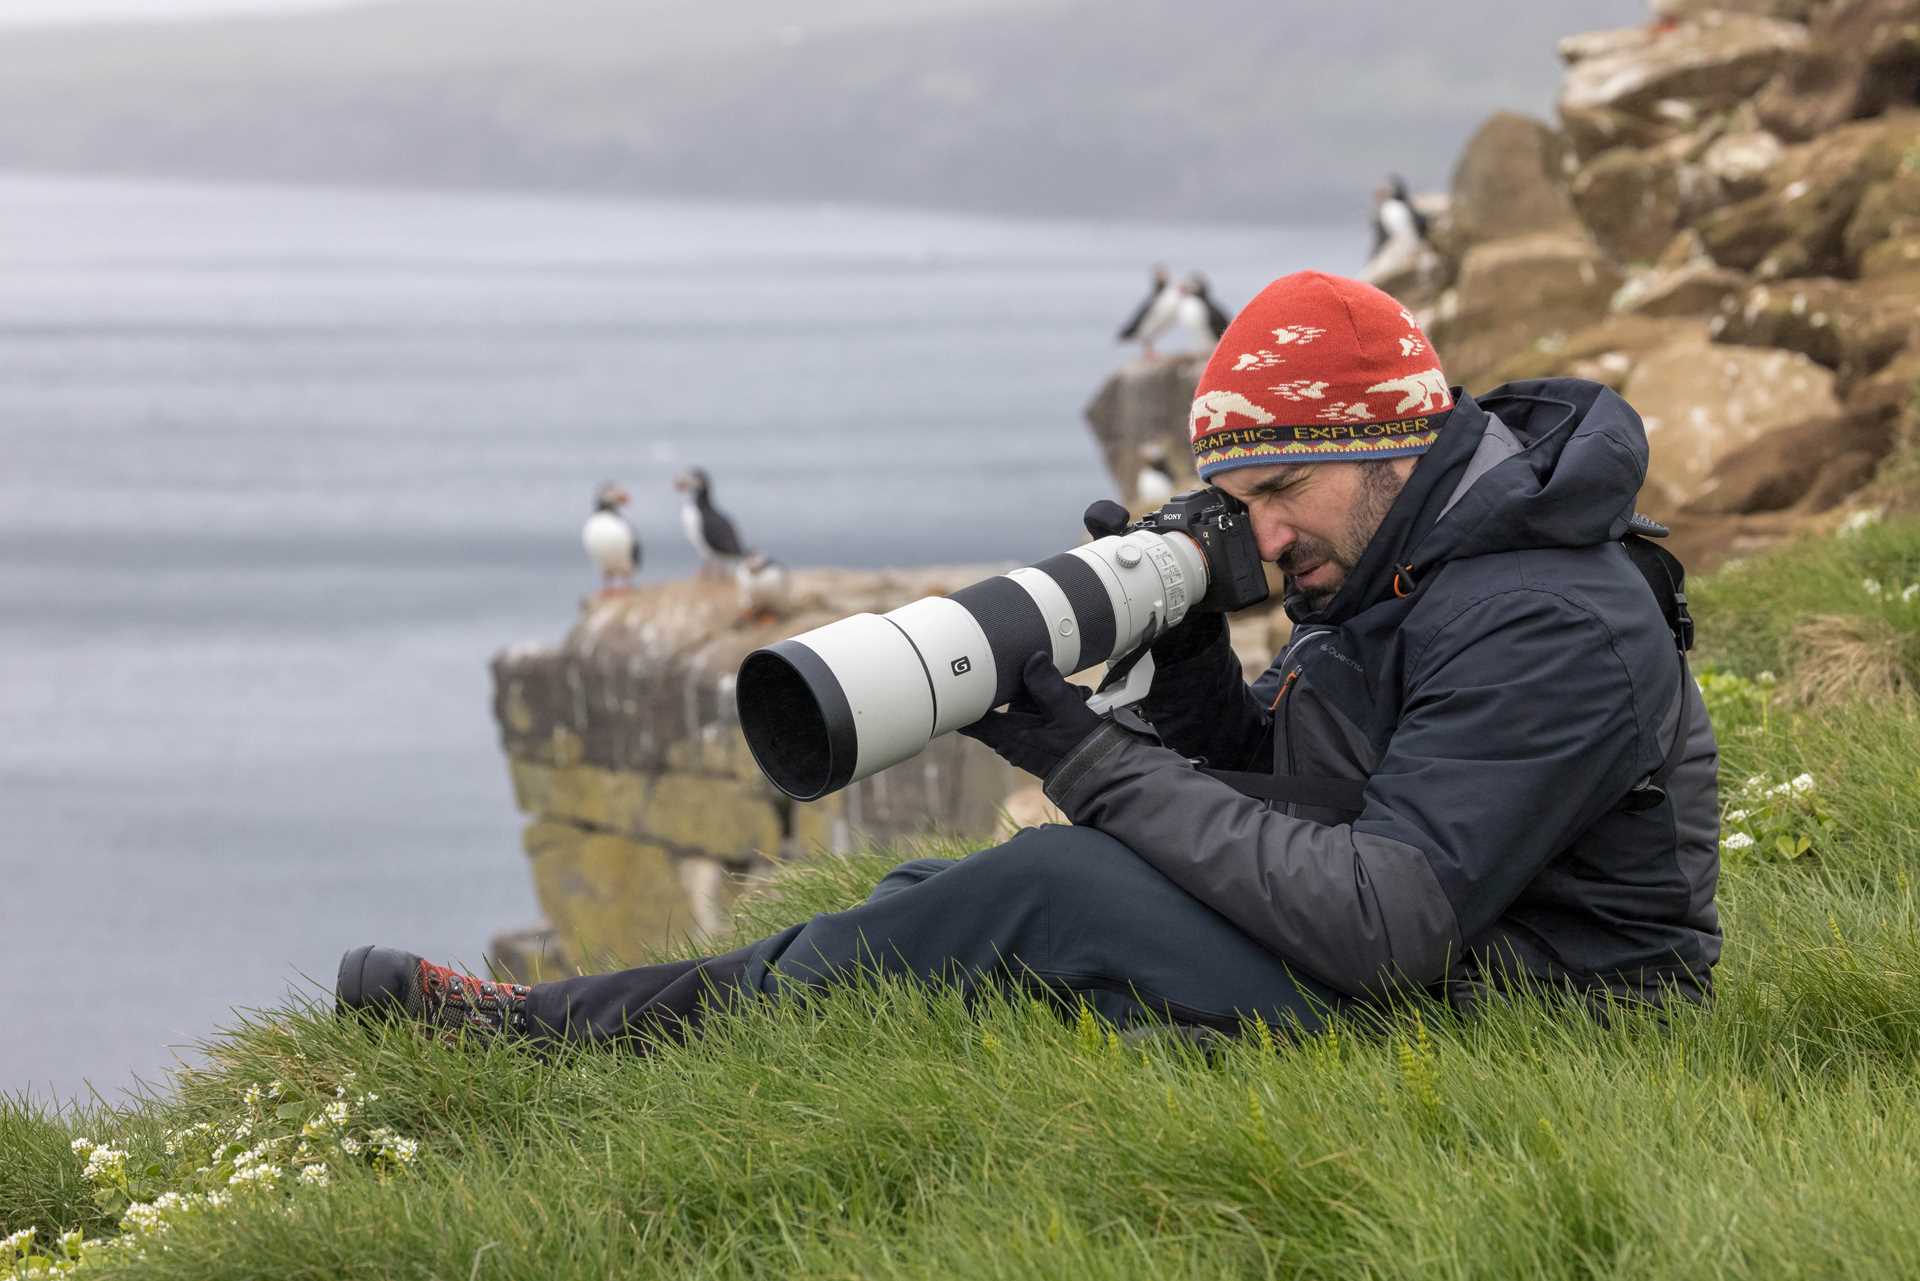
791	705
1014	626
1092	608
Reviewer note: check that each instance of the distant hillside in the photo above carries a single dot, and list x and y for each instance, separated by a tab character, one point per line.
1236	108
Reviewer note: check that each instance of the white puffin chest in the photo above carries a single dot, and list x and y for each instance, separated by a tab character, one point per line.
609	542
695	524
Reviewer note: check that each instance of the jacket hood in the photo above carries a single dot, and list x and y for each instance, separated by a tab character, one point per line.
1552	462
1560	463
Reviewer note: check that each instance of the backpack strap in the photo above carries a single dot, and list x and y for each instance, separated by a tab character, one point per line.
1667	579
1666	576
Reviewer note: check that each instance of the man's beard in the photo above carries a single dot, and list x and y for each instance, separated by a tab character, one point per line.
1380	485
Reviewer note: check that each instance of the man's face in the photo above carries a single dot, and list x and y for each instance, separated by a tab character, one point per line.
1314	520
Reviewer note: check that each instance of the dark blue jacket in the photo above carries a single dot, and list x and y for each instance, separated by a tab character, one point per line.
1499	711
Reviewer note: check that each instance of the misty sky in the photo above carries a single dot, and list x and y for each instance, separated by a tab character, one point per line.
38	12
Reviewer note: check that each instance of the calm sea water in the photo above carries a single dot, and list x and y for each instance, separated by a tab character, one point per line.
279	471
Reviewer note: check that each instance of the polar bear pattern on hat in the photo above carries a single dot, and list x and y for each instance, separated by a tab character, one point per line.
1317	368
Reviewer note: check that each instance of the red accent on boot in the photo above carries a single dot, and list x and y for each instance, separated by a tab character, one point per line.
456	1000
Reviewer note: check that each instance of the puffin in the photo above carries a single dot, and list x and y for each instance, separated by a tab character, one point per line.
610	540
1154	483
1399	230
762	582
1199	314
1156	312
708	529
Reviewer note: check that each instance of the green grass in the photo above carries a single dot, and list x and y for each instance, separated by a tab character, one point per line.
884	1132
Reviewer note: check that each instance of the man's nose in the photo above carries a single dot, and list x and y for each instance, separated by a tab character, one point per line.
1274	538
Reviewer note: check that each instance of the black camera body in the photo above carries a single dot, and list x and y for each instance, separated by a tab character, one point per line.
1222	527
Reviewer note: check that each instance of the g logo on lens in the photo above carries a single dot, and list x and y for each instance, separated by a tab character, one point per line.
962	665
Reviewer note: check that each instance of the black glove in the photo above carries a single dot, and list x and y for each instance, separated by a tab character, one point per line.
1046	720
1195	633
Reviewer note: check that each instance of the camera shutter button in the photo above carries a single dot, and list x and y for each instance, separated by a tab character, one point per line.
1127	554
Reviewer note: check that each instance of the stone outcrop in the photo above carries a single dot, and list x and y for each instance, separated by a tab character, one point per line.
1862	57
1142	406
1510	181
646	812
1643	86
1702	402
1725	227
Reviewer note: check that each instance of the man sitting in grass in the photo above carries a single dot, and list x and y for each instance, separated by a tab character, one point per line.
1479	763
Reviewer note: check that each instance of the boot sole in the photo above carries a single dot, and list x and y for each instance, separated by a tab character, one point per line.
373	977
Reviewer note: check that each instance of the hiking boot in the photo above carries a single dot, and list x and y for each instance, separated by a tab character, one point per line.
387	980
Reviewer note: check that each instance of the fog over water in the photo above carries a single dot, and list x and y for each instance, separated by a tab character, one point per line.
281	469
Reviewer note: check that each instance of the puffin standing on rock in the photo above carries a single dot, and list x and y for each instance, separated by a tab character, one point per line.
708	529
1399	231
610	539
1199	314
1156	312
763	587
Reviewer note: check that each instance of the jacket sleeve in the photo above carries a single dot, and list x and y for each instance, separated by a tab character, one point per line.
1518	730
1200	705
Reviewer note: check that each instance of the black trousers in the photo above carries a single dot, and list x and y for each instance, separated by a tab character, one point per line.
1065	910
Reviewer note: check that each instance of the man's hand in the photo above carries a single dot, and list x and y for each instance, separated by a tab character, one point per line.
1046	720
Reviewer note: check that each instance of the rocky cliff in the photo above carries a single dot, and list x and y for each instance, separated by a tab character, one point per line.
646	813
1723	225
1725	228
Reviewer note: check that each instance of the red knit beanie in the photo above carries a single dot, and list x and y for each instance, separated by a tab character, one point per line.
1317	369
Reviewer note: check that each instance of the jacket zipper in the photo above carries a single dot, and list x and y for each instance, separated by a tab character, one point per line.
1286	712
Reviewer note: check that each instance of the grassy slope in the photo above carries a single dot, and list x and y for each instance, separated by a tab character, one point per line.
885	1134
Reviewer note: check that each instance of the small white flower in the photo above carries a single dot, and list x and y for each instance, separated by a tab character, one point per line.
1753	784
1872	587
253	1096
351	1146
1739	816
1858	521
82	1146
1738	841
172	1201
1803	784
275	1089
264	1176
1910	593
144	1216
216	1199
16	1243
254	1155
105	1163
314	1175
1767	678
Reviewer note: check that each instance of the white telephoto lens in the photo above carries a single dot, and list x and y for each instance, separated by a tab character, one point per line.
841	702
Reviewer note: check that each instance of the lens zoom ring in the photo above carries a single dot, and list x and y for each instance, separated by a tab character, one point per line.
1092	607
1014	626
